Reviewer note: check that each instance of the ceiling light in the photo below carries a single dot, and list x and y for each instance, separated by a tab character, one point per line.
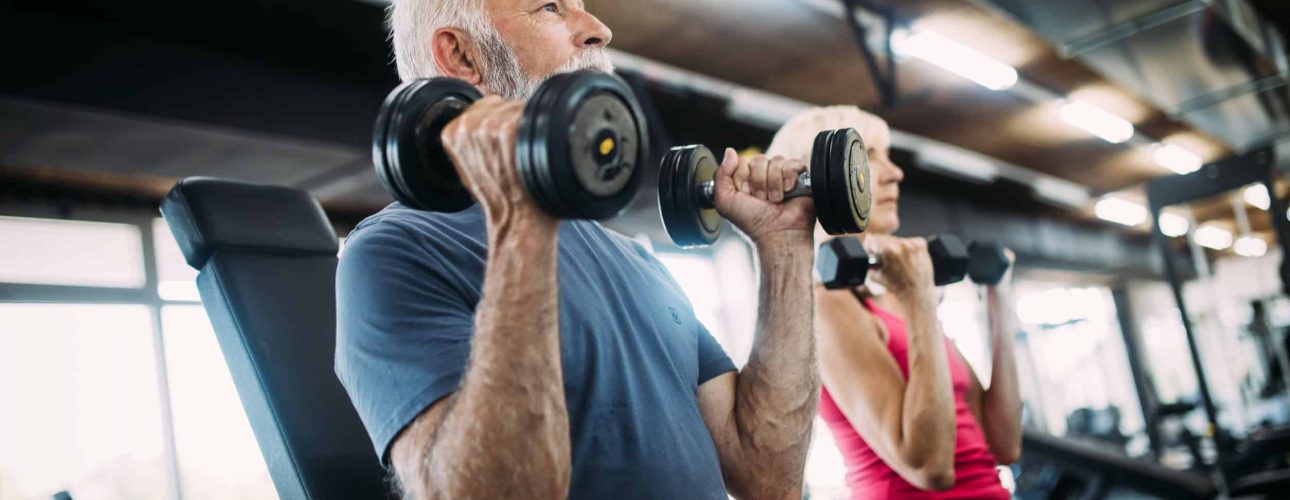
1060	191
1097	121
962	164
1257	195
1173	225
1120	211
1175	158
954	57
1212	237
1250	246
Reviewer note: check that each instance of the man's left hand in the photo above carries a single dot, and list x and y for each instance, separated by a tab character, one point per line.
750	194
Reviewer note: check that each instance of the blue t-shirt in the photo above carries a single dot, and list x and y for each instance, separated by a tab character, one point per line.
633	353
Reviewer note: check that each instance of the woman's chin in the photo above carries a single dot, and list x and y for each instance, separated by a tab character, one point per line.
883	224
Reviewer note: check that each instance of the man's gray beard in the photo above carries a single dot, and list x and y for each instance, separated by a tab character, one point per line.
502	74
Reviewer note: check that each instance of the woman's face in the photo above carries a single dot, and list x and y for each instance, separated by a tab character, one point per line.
885	177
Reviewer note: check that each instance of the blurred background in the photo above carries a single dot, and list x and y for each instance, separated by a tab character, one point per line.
1083	135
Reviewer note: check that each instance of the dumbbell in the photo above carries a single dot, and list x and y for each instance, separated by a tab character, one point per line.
987	262
578	148
837	182
844	263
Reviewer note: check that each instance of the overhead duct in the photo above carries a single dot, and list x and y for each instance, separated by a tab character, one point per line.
1215	64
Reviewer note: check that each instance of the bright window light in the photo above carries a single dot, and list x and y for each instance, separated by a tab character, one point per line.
1257	195
1173	225
1120	211
1175	158
1097	121
1213	237
955	58
1250	246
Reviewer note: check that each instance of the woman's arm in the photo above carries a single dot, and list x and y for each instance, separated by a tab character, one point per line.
1001	404
909	424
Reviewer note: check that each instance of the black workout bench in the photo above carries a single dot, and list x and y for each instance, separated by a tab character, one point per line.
267	262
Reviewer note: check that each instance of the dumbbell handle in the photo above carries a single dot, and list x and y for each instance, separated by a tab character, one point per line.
708	190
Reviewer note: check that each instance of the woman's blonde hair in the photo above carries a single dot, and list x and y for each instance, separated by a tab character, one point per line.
795	139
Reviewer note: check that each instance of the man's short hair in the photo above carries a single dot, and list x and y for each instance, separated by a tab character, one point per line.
412	24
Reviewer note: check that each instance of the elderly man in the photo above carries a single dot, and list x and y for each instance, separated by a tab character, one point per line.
486	361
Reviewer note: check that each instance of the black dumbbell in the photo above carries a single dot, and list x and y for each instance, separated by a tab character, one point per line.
579	145
844	263
987	262
837	182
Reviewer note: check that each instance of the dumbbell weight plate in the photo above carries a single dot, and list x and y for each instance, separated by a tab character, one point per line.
410	159
682	172
580	144
379	133
847	182
822	197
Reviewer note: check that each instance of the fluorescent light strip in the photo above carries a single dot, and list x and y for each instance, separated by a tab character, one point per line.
1120	211
1250	246
972	168
1212	237
1097	121
954	57
1257	196
1173	225
1177	159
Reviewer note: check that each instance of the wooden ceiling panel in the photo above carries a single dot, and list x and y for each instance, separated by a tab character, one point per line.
797	49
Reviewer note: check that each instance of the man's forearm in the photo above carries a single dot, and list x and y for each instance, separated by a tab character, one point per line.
777	391
505	433
1001	403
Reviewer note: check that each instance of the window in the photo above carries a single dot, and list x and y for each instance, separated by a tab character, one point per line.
108	393
218	455
1074	368
60	252
83	412
176	280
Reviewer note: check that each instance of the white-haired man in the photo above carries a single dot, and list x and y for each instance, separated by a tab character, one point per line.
489	362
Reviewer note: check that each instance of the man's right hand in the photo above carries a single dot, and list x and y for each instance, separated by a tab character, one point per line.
906	270
481	143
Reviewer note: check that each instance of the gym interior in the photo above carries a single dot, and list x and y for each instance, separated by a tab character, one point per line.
1134	155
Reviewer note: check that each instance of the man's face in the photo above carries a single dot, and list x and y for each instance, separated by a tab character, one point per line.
542	37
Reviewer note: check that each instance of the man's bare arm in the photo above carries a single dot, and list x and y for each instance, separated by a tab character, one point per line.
761	418
505	432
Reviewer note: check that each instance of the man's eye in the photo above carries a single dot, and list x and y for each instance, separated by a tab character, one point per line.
551	7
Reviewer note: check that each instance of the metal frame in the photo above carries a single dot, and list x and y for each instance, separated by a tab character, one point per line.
1213	179
147	296
1147	399
1089	42
884	79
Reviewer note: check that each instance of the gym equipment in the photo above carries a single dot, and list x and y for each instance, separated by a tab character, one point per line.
579	145
267	256
843	262
837	181
1054	467
987	262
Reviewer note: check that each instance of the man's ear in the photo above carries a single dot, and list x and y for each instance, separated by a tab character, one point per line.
455	55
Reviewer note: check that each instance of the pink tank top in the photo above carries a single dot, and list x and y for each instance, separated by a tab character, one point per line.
870	478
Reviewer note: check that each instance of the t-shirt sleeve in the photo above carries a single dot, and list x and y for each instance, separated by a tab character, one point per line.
404	324
713	360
